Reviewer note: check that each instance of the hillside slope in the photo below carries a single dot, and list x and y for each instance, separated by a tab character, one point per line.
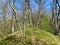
35	36
42	35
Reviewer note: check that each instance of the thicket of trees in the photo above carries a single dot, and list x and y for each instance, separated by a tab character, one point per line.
8	8
55	6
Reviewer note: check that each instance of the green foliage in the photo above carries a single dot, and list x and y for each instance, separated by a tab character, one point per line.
45	25
45	38
42	37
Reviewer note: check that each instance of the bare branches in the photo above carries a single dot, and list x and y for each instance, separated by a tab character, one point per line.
39	10
4	12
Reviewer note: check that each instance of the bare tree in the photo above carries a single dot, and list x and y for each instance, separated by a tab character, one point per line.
28	9
13	15
4	10
39	10
23	16
55	14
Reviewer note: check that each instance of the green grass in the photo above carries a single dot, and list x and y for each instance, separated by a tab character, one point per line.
45	25
42	37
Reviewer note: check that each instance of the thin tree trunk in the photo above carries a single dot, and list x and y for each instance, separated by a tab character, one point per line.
12	24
